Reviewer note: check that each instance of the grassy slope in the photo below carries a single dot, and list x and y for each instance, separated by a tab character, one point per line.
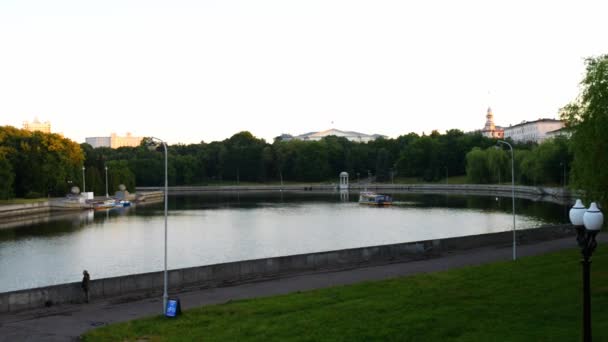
533	299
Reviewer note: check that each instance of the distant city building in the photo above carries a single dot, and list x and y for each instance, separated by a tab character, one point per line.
490	130
534	131
98	141
44	127
316	136
114	141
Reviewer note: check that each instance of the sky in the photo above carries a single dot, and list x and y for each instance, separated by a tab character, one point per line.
191	71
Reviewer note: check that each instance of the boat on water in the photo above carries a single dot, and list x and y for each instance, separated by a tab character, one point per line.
105	204
371	198
109	203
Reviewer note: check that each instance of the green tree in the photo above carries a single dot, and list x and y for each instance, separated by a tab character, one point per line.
587	117
7	178
477	166
497	165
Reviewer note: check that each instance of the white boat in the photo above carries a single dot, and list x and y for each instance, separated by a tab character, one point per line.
106	204
371	198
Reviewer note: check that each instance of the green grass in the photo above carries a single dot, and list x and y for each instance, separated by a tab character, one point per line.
23	200
532	299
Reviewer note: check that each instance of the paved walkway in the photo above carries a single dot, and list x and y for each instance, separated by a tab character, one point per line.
67	322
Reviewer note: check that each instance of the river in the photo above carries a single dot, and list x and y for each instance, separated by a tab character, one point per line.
221	227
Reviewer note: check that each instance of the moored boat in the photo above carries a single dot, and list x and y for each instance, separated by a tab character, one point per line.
106	204
371	198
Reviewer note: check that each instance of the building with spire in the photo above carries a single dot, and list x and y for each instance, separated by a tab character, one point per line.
490	130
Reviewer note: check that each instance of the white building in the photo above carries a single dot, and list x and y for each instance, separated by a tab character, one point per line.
535	131
350	135
114	141
44	127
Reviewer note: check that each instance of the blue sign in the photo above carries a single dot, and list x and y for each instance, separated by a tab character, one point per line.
173	308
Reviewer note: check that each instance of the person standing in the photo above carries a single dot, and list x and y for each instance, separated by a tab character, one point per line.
86	278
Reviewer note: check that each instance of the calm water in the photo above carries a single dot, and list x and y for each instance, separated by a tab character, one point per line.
215	228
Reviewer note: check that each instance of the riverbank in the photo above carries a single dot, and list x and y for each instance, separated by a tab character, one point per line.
23	209
527	192
148	284
68	322
533	299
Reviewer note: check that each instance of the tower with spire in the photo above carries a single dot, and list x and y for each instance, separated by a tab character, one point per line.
490	130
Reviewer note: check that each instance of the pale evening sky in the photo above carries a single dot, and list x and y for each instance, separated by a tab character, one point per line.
187	71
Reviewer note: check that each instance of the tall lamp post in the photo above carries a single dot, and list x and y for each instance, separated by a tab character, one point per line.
84	182
512	194
106	168
165	294
588	223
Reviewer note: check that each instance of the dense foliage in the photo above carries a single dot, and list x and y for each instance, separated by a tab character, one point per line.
39	164
544	164
36	164
587	117
245	158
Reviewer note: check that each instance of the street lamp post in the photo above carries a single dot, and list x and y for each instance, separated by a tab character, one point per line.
588	223
84	183
512	194
165	282
106	168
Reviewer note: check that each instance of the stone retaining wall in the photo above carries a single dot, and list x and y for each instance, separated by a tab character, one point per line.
24	209
467	189
151	284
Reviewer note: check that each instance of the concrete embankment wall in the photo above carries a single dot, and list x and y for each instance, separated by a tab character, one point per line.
24	209
151	284
466	189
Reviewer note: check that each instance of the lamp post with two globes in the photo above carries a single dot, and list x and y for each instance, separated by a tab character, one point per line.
588	223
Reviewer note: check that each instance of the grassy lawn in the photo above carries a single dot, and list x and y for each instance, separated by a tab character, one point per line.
23	200
532	299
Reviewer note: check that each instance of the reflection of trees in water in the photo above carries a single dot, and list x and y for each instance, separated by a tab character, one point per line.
48	225
547	211
67	223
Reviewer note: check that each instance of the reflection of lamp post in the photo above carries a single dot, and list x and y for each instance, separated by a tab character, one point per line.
84	183
587	223
165	295
106	168
512	193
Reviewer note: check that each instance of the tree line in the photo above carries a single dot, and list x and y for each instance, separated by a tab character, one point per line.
40	164
245	158
47	164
